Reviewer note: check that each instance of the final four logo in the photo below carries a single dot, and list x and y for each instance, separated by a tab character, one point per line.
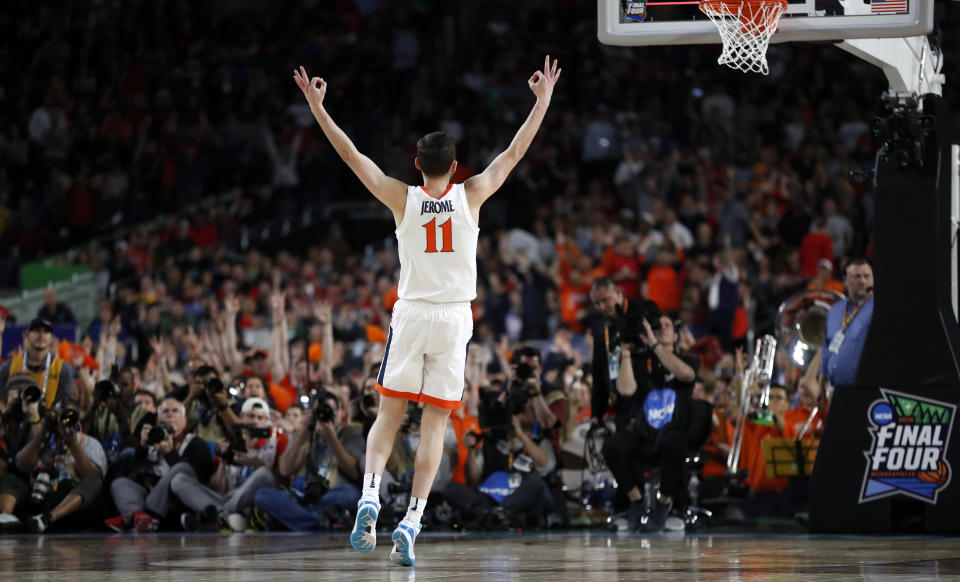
908	455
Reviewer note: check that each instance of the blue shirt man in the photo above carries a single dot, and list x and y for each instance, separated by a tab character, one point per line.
847	325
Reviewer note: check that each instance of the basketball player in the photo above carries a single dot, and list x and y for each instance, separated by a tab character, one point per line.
432	323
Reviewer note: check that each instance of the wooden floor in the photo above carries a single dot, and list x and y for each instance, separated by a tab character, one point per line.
479	557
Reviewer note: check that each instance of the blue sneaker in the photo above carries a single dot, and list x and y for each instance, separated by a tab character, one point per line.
363	538
403	538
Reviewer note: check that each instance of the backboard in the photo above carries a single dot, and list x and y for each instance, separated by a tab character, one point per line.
658	22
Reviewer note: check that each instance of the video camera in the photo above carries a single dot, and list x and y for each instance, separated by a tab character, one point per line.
629	323
903	130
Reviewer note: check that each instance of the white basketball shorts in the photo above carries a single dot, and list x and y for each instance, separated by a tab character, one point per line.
426	352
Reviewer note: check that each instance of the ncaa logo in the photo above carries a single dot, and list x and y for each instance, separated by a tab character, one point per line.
881	414
909	437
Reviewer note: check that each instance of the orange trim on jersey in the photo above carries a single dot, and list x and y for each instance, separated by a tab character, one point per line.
450	185
419	397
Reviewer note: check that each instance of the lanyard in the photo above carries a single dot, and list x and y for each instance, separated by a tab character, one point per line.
46	374
847	320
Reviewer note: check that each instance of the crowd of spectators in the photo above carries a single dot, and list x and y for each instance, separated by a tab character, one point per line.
151	138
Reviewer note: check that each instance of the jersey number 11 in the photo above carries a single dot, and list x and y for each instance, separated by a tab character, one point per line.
447	228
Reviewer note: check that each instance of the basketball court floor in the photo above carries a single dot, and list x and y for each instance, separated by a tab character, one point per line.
470	557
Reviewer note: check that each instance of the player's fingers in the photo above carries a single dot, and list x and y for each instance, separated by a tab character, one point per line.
557	76
314	81
553	69
546	63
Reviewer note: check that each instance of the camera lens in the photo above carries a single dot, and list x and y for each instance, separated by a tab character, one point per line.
31	394
213	385
69	418
524	371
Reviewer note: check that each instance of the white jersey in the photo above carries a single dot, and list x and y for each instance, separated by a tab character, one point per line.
437	240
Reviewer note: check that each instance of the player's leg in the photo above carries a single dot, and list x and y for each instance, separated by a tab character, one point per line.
384	432
380	441
433	427
443	367
400	379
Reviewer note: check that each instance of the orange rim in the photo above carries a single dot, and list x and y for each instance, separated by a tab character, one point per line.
750	11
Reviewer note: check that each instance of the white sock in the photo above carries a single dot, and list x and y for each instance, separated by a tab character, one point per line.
415	511
371	488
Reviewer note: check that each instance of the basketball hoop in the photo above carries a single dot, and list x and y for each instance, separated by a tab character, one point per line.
745	28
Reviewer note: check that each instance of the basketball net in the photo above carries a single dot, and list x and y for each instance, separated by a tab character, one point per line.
745	28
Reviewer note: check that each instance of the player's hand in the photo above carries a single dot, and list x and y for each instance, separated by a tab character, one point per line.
313	89
541	82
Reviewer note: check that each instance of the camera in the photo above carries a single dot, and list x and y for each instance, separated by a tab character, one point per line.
414	416
903	131
213	386
517	399
41	486
159	433
524	371
105	389
68	420
30	394
238	444
323	412
629	323
316	400
315	488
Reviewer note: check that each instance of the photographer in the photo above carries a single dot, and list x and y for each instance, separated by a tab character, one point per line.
164	450
59	467
401	463
508	460
657	398
51	373
108	417
22	418
208	402
324	461
619	316
549	402
246	466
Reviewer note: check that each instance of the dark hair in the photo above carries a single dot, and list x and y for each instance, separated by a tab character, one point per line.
205	370
857	261
152	396
778	386
327	395
603	283
526	351
436	152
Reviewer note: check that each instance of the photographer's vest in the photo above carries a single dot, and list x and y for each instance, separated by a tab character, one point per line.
48	379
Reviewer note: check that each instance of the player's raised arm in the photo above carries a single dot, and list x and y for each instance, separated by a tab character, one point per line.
388	190
483	185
